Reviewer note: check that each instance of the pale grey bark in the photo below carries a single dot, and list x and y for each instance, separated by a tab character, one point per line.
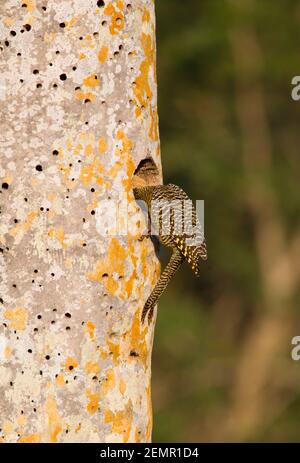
78	113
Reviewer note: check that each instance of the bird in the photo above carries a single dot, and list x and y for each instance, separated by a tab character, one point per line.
174	221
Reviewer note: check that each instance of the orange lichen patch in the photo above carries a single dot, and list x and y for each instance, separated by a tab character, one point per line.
66	170
86	175
93	205
71	363
112	262
24	227
88	149
77	149
137	339
122	386
51	197
7	179
103	354
130	282
117	17
127	151
21	420
138	112
58	234
8	21
53	418
49	37
17	318
91	81
102	145
102	55
156	274
142	88
114	350
60	380
109	382
92	368
121	421
113	171
125	158
92	172
143	259
146	15
87	42
78	428
85	136
90	328
30	5
83	96
111	285
150	414
7	352
30	439
71	23
82	55
8	427
153	132
93	398
69	144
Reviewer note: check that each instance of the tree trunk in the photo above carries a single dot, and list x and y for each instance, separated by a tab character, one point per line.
78	114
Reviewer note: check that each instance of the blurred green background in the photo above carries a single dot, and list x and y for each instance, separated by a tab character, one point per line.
230	133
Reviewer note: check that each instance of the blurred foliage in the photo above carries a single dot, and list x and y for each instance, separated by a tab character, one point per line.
204	324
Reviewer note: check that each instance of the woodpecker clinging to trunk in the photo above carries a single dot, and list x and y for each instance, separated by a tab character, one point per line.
176	226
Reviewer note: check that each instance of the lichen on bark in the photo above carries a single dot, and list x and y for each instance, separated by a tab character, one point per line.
78	113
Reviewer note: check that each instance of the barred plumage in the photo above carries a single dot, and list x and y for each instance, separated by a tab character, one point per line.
175	222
